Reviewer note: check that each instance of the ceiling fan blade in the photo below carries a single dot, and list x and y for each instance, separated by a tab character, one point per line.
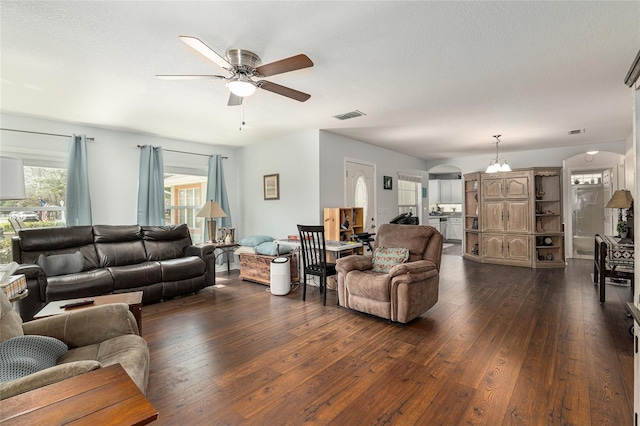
284	91
191	77
285	65
234	100
199	46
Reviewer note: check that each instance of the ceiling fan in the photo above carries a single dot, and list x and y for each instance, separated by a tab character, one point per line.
243	66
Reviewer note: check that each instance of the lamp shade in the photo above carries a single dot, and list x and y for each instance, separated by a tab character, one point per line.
211	209
11	178
621	199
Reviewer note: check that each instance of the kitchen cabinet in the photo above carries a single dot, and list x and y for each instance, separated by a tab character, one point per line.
435	222
454	228
445	191
434	191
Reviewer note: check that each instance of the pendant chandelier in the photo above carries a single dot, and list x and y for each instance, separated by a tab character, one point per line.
498	164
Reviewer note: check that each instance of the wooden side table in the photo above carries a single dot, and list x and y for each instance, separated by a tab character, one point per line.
133	299
106	396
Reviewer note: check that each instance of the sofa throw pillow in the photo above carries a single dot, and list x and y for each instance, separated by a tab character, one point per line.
24	355
61	264
254	240
385	258
273	249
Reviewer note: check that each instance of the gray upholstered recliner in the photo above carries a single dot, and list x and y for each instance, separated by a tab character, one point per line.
96	337
408	290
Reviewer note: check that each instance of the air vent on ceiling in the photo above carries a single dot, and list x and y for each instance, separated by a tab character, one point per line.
576	132
348	115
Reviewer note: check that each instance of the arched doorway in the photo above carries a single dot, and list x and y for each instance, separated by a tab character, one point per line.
589	182
444	211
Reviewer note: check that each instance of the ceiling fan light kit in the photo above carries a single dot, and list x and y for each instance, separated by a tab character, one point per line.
240	85
498	164
243	65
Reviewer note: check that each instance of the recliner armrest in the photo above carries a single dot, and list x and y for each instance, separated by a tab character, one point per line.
355	262
417	267
86	326
37	286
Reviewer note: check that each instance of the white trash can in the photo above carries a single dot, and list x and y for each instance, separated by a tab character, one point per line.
280	276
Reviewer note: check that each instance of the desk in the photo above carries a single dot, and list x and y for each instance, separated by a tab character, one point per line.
337	248
611	259
106	396
334	250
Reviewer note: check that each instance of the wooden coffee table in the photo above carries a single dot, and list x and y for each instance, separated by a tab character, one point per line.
106	396
133	299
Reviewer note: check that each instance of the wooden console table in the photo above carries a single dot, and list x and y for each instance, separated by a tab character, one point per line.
106	396
612	259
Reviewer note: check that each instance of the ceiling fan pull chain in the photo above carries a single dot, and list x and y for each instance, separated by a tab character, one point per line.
241	116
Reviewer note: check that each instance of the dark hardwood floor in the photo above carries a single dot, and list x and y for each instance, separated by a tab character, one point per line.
503	345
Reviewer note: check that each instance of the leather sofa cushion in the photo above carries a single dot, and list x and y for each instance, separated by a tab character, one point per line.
44	238
118	245
166	242
369	285
116	233
129	276
121	253
82	284
88	254
182	268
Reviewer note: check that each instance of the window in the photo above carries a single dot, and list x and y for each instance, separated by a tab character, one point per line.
184	197
46	189
409	190
361	196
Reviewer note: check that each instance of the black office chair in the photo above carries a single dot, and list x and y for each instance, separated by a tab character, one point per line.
314	260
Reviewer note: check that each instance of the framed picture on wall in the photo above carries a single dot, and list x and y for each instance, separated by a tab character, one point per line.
387	182
272	187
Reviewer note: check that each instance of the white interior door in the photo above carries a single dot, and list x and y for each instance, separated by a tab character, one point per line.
360	191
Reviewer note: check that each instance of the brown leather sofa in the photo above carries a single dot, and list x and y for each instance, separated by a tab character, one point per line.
409	289
160	261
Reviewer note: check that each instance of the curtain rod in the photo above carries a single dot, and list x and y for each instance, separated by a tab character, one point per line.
42	133
185	152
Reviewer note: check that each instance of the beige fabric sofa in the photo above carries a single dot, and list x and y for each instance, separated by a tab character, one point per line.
408	290
97	337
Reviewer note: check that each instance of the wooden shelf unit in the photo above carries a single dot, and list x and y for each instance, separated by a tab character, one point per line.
334	219
548	219
471	211
518	216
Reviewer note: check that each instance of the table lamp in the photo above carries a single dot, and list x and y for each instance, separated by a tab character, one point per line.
622	199
211	210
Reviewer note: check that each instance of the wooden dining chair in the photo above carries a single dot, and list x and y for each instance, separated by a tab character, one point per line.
314	259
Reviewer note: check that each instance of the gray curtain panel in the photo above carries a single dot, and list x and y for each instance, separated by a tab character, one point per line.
217	191
78	210
151	186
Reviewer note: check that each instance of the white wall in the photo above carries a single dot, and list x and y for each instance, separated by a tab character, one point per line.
335	149
550	157
295	159
113	162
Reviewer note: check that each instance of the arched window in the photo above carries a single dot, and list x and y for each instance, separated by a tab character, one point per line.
361	195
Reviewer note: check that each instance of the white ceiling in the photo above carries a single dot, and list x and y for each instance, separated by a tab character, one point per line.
434	78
